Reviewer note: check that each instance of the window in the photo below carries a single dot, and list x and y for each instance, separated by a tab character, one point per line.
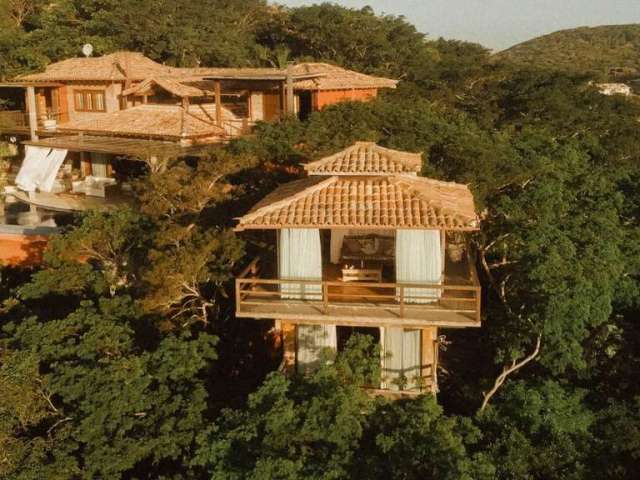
89	100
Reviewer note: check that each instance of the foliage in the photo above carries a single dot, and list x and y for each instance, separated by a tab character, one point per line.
539	431
595	50
324	426
120	357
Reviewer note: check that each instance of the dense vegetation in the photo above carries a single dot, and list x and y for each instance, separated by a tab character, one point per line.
131	365
597	50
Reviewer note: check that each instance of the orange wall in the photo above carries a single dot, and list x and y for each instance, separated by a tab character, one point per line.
322	98
19	249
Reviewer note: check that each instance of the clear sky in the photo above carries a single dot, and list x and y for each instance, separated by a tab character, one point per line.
498	24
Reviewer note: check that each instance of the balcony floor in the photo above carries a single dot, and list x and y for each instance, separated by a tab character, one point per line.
355	304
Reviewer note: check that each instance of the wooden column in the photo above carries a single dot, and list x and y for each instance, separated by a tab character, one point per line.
218	93
85	164
289	346
290	102
33	113
430	358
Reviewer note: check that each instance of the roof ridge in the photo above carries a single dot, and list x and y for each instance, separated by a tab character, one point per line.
410	162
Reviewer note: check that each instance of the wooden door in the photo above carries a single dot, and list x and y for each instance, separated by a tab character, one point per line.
271	105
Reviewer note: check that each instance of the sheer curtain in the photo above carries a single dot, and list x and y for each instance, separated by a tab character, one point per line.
99	163
316	344
29	173
401	358
419	260
300	258
50	169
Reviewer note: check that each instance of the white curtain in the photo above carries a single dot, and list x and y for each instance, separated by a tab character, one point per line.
316	344
99	162
401	358
300	258
50	169
29	173
419	260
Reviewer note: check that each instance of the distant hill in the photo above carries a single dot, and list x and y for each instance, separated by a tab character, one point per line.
598	50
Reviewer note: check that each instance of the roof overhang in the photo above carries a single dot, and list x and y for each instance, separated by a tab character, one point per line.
25	84
138	148
379	202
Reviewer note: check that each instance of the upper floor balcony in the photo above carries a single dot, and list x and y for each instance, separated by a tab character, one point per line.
363	292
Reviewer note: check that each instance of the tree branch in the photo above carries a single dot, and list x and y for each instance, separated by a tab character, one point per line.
506	371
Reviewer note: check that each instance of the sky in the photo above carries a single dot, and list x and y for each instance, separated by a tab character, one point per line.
498	24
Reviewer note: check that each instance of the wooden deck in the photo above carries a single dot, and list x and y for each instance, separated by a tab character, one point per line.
455	305
68	202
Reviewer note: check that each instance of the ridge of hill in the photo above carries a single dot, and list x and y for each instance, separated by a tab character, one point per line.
606	51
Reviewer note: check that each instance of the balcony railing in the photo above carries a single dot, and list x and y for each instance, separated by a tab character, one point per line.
17	120
11	119
406	305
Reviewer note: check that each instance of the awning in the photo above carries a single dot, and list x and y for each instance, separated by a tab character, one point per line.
131	147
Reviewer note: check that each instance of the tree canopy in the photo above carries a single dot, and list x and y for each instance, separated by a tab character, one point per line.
120	356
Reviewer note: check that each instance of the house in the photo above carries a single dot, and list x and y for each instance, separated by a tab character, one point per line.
87	126
364	244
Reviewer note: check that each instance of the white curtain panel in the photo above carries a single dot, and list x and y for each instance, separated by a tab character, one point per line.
316	344
99	162
29	173
419	260
50	169
401	358
300	258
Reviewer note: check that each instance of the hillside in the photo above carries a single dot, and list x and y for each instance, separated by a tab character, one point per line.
586	49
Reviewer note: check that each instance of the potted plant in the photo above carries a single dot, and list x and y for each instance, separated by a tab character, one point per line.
50	122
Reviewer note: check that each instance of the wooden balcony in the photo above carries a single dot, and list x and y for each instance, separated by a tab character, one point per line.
454	303
17	122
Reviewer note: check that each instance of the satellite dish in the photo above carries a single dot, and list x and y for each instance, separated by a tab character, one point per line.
87	49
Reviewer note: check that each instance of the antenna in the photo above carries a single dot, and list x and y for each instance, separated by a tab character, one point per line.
87	49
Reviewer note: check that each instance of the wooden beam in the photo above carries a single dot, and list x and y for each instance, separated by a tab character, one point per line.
33	113
290	101
218	95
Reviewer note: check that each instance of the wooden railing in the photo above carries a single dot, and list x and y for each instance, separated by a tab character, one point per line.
17	119
237	127
399	300
13	119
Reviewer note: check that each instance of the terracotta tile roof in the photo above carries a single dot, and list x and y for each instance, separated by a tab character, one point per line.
403	201
133	66
153	121
332	77
115	66
366	158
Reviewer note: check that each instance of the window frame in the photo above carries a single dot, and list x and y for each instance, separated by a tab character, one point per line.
89	100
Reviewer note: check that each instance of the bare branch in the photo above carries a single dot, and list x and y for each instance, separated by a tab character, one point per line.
506	371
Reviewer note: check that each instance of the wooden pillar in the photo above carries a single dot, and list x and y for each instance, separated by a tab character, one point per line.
32	111
85	164
289	346
218	93
283	100
183	112
430	358
290	102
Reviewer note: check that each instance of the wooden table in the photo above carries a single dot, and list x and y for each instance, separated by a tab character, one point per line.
371	274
